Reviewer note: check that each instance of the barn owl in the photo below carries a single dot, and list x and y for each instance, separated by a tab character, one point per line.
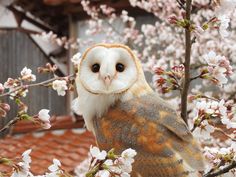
122	110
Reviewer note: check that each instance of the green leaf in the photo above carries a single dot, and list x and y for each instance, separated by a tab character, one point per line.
25	117
5	161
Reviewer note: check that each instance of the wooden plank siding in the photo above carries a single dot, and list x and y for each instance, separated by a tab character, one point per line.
17	51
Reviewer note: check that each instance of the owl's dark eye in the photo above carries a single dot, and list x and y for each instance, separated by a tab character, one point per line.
95	68
120	67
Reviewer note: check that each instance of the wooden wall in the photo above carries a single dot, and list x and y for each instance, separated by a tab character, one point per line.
17	50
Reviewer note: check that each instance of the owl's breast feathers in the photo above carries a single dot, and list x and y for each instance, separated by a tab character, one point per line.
165	147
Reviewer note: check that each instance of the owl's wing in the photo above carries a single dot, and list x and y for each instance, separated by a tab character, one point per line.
151	126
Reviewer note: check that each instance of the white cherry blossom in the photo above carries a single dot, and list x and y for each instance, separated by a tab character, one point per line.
24	165
55	166
129	153
76	58
60	86
44	115
103	173
211	58
229	123
96	153
26	156
27	75
224	24
225	7
204	130
219	74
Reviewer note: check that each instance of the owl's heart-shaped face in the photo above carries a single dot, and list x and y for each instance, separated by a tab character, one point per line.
105	70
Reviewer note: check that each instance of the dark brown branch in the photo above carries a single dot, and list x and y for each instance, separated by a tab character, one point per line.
188	44
222	171
181	4
9	124
195	77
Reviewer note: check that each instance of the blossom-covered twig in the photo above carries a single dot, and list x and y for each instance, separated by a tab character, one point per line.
181	4
19	87
42	118
102	164
9	124
188	44
36	84
221	171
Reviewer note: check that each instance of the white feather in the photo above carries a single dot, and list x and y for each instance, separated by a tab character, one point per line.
91	105
76	107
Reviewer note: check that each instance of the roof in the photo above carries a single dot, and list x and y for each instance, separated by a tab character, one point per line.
71	147
57	122
55	13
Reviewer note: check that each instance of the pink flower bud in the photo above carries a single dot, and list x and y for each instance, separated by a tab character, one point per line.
161	81
165	90
40	70
159	71
173	19
9	83
3	113
191	98
48	65
5	106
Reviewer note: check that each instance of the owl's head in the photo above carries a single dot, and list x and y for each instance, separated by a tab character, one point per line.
108	69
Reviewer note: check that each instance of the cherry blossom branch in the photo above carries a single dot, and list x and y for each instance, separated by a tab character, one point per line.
181	4
188	44
195	77
222	171
9	124
207	97
36	84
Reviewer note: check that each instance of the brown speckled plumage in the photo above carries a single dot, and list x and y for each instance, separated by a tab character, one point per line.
151	127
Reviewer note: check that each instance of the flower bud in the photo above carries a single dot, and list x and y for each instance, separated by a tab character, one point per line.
173	19
48	65
3	113
159	71
161	81
40	70
165	90
5	106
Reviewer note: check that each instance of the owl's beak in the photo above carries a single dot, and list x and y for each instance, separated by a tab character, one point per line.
107	80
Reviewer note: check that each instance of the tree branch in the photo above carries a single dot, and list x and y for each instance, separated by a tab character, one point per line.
9	124
188	44
181	4
35	84
195	77
222	171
